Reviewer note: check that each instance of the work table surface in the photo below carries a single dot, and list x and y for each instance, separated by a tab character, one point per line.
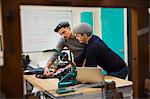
52	83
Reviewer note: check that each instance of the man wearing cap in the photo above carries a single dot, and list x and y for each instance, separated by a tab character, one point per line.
97	53
68	40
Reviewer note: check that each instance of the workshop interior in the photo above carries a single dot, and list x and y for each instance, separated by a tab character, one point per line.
28	40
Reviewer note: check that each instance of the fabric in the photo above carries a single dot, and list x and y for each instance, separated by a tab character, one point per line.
98	53
72	44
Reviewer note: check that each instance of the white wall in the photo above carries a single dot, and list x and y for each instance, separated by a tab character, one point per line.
76	14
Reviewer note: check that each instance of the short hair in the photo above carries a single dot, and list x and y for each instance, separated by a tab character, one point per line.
61	25
83	28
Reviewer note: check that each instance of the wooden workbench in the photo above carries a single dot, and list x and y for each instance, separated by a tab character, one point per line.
51	85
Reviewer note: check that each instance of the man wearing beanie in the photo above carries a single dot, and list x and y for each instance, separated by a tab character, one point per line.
97	53
68	40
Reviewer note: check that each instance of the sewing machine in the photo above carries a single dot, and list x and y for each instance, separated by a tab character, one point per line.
67	77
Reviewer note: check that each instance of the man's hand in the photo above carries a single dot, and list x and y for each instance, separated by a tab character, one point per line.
68	66
47	72
62	69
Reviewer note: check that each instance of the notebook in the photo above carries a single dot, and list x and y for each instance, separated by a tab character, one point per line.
89	75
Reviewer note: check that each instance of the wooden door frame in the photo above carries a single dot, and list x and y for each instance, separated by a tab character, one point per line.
11	74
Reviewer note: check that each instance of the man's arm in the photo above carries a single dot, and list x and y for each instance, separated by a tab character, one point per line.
49	64
59	47
46	70
79	60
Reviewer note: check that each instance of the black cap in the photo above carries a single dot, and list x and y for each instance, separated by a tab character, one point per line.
60	25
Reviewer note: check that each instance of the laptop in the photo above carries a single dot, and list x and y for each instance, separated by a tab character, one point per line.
89	75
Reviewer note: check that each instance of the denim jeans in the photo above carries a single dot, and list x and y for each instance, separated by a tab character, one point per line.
120	74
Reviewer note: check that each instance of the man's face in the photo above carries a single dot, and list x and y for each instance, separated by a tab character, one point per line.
80	38
65	32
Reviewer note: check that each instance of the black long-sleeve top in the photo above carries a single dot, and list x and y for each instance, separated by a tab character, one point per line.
98	53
